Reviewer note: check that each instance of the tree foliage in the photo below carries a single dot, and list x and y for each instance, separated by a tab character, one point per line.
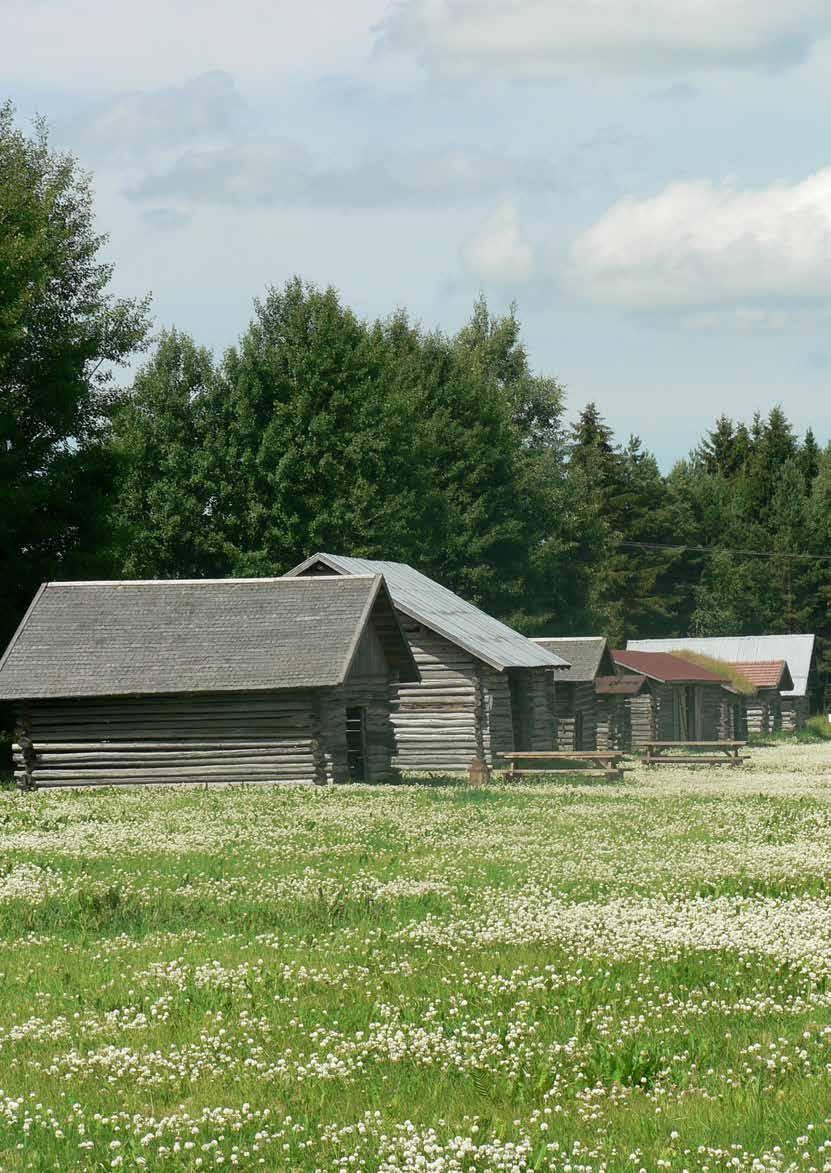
61	331
319	430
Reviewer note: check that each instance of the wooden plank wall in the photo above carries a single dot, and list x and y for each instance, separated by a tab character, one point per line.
574	698
206	737
709	707
711	713
542	689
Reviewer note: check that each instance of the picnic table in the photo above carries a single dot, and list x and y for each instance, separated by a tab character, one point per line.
729	753
598	763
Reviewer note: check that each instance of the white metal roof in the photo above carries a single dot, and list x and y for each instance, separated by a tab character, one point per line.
446	613
796	650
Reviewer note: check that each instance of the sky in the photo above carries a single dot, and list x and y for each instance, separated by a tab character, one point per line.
650	183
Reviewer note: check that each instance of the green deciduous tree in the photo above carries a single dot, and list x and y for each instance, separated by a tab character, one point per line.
161	513
61	331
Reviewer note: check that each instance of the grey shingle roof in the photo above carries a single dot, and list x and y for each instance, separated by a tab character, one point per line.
588	655
165	636
796	650
444	612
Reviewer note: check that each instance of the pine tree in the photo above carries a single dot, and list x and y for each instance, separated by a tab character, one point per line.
625	499
723	597
718	452
809	458
794	575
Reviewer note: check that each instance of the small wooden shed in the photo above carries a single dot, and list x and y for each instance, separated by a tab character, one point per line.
690	703
626	711
577	715
485	689
254	680
763	709
798	652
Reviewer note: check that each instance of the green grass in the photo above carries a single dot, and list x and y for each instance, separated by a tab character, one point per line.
819	726
421	976
815	730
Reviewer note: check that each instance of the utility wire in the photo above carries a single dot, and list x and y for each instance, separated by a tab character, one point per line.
724	550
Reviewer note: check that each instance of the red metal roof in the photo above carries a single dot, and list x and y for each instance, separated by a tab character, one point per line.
765	673
666	669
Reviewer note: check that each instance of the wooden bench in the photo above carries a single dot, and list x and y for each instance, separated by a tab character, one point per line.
729	755
598	763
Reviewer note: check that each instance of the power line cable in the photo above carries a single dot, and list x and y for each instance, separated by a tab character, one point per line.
724	550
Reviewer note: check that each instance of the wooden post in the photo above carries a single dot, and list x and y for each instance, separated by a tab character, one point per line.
22	733
479	774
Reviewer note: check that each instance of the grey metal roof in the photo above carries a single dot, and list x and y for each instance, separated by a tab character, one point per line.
588	655
796	650
444	612
207	635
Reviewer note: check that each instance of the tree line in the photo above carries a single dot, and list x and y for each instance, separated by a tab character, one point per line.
319	430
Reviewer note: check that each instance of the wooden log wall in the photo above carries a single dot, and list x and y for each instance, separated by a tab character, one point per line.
438	724
642	712
575	698
497	714
251	737
794	712
756	714
610	713
373	696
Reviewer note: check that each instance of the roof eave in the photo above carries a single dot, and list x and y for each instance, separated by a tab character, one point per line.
429	621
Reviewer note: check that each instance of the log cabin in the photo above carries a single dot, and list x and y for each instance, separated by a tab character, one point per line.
798	651
485	689
763	708
245	680
626	711
577	716
689	702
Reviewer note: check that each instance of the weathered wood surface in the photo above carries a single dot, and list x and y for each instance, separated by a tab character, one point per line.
599	762
297	736
576	707
730	753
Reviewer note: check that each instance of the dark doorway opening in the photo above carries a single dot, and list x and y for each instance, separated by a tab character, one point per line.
356	742
578	730
520	710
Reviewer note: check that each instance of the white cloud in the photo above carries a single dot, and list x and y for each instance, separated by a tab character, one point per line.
165	219
281	173
129	125
499	252
68	44
538	37
702	244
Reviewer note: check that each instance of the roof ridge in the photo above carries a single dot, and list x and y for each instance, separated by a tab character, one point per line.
230	579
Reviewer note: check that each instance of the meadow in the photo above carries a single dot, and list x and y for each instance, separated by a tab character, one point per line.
570	977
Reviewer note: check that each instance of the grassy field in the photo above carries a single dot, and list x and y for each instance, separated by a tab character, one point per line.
619	977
